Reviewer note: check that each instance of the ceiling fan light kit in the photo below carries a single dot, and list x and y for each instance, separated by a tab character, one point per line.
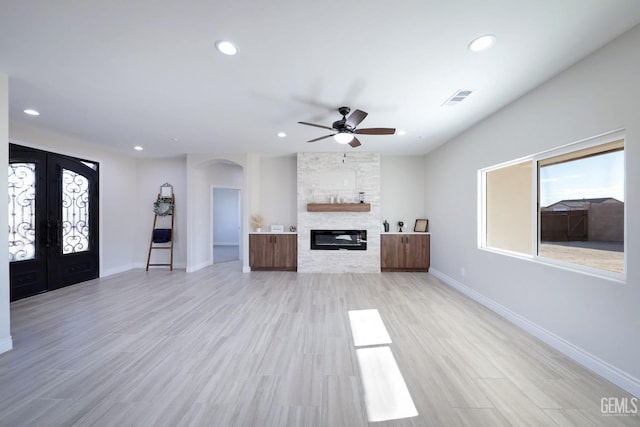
345	128
343	137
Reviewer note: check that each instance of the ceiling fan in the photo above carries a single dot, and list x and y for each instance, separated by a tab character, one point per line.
346	128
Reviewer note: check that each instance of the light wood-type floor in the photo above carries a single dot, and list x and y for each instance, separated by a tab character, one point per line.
222	348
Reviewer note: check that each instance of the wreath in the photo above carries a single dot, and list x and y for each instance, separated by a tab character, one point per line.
163	206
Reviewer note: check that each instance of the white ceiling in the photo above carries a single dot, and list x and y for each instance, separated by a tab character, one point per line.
122	73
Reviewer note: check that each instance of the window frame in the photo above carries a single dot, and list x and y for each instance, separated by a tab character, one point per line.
535	159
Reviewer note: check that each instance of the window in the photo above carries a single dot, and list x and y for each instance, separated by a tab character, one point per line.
564	206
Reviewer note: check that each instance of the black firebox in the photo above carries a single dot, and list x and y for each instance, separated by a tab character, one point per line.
333	240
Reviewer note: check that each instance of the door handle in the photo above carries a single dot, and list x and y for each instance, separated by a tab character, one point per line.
53	230
58	233
48	233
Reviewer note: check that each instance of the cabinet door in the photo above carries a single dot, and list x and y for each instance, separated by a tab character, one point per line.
285	251
391	251
415	252
260	251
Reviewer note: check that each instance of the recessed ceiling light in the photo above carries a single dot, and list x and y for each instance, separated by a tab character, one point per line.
482	43
401	132
282	134
138	148
31	112
226	47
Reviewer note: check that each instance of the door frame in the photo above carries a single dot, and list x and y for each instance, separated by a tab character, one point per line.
211	219
60	270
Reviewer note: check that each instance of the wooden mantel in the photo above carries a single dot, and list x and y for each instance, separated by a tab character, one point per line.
338	207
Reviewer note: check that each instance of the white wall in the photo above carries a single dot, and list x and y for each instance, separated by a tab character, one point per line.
150	175
118	197
278	191
224	175
594	320
6	342
401	192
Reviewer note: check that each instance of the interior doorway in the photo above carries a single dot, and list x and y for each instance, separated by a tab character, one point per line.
226	224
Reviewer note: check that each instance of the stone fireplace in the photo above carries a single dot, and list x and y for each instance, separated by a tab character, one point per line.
338	177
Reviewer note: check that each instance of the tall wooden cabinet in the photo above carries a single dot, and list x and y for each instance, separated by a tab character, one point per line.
273	251
405	252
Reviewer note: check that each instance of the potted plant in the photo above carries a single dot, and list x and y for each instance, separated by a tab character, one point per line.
256	221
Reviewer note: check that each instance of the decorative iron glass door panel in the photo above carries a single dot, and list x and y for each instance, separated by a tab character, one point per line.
76	234
73	215
55	220
22	211
27	221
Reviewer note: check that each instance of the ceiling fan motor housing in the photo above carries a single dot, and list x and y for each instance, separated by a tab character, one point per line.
339	125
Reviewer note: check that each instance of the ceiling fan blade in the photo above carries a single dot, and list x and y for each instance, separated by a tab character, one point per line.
322	137
355	118
376	131
355	143
318	126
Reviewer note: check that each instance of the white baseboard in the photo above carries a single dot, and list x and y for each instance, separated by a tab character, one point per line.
225	244
246	269
604	369
6	344
116	270
194	268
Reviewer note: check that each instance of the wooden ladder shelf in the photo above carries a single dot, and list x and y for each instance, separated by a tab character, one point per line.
159	235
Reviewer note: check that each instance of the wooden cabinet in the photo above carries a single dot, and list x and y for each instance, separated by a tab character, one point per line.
273	252
404	252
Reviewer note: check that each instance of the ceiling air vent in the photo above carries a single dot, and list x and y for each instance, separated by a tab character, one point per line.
458	97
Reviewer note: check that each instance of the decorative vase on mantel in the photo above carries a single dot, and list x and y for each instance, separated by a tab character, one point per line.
258	230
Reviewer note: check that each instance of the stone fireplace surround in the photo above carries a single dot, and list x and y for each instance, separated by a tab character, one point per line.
321	176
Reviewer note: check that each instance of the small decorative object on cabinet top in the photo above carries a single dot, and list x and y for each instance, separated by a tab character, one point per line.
276	228
422	226
361	196
386	226
400	225
256	221
292	229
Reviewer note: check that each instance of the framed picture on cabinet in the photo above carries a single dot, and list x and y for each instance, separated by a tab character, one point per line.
422	226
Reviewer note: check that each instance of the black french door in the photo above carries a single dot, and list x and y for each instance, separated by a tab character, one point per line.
53	221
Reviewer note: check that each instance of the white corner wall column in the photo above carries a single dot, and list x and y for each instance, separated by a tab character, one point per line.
6	343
